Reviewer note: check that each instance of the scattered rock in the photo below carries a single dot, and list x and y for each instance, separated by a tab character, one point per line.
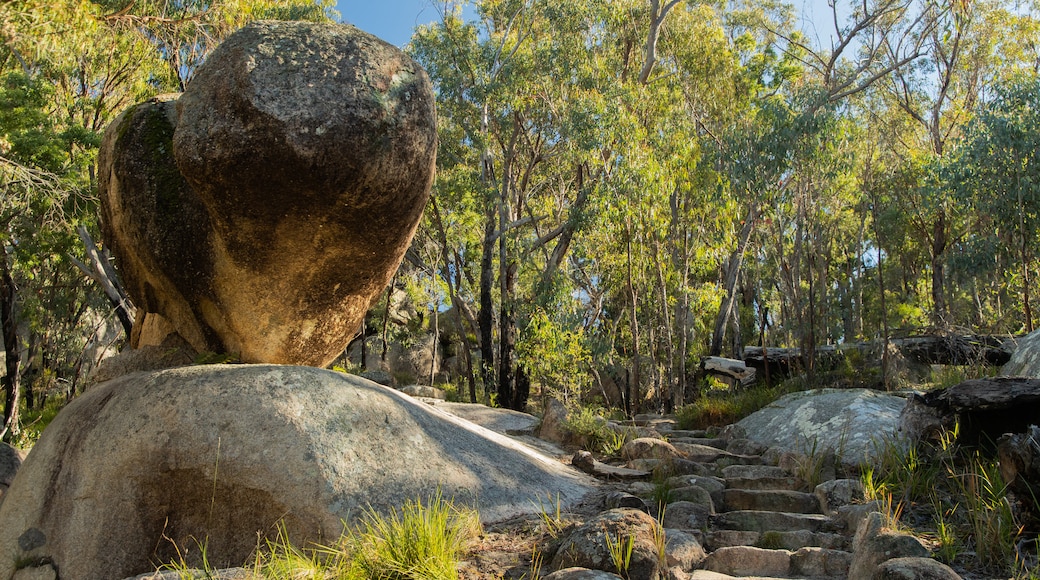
423	391
224	452
846	421
688	515
620	499
379	376
683	550
647	448
586	546
263	212
695	494
172	352
836	493
820	563
584	461
914	569
874	545
554	423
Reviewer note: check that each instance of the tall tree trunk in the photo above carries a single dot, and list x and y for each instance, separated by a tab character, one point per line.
634	377
456	302
1024	258
436	341
507	284
881	292
8	293
729	287
485	317
940	309
668	383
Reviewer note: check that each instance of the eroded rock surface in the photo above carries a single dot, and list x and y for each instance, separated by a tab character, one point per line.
262	210
848	422
227	452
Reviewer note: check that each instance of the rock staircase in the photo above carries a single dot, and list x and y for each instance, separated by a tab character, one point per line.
760	520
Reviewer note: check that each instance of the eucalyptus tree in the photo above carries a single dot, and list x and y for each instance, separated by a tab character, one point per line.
566	113
937	96
796	95
998	174
183	32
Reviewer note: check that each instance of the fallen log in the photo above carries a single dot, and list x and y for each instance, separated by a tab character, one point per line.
933	349
728	367
984	409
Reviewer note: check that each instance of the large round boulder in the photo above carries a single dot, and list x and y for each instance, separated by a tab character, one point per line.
262	210
849	422
142	465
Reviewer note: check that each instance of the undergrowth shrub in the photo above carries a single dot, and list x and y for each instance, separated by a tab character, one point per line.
593	432
955	498
718	410
419	541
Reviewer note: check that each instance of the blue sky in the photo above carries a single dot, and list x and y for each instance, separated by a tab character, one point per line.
391	20
394	20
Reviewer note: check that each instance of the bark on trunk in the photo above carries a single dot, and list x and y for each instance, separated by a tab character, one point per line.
11	351
939	307
730	283
101	271
485	317
634	378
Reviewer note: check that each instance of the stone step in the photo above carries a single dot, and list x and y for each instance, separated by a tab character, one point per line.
753	472
708	454
689	433
790	483
750	561
768	521
770	499
790	540
709	575
709	441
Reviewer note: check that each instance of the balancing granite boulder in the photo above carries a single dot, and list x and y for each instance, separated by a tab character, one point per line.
261	211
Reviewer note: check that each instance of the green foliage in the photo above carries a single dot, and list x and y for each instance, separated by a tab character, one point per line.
556	358
593	431
620	550
718	410
960	493
421	541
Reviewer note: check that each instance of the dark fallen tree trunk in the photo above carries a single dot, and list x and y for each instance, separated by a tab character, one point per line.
956	349
984	409
942	350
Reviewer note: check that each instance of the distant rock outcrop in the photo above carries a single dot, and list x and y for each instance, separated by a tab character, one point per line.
226	452
262	210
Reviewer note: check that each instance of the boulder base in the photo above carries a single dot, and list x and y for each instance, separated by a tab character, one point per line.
224	453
